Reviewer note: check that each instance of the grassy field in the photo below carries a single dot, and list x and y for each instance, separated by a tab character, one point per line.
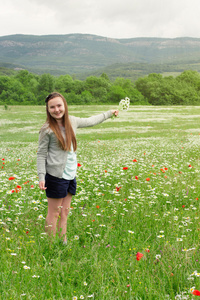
138	192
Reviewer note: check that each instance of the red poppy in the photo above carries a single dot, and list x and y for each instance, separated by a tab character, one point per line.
18	187
139	255
118	188
136	177
97	206
105	171
32	186
147	250
196	293
147	179
125	168
189	166
78	165
166	169
183	206
134	160
3	158
11	178
197	198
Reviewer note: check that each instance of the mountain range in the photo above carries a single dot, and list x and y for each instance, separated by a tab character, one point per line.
84	54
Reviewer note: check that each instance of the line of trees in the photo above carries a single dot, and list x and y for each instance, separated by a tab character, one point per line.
26	88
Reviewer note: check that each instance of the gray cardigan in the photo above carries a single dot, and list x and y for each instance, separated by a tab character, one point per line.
51	158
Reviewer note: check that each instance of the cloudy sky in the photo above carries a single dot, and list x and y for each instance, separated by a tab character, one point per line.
109	18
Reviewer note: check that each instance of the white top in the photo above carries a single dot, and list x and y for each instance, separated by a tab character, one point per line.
71	165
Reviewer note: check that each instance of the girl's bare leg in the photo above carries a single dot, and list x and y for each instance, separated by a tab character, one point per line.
52	215
64	211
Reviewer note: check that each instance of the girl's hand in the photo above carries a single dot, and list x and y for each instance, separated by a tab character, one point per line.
42	185
115	112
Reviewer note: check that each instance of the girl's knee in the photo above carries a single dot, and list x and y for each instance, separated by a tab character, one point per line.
53	214
64	213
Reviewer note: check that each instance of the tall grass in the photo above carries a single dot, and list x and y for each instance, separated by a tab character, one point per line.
138	191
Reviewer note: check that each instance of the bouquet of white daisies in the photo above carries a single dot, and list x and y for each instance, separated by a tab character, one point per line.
124	104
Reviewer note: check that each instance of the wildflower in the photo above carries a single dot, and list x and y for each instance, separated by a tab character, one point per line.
148	179
85	283
134	160
76	237
118	188
179	239
40	217
196	293
160	236
97	206
130	231
11	178
139	255
81	297
26	267
79	165
14	254
136	177
125	168
158	256
74	298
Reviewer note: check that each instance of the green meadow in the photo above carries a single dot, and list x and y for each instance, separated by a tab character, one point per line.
134	226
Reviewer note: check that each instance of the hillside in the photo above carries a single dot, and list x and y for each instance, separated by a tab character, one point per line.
87	54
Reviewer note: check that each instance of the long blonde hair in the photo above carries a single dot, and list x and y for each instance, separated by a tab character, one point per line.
65	143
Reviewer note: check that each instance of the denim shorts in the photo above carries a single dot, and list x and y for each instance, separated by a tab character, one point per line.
59	187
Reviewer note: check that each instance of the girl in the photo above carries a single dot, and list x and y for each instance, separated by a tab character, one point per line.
56	159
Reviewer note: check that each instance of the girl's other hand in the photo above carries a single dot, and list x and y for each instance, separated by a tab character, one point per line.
42	185
115	112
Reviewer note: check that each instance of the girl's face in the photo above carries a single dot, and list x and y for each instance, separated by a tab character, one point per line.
56	108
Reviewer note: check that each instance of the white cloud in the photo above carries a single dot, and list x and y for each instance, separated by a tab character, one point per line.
113	18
